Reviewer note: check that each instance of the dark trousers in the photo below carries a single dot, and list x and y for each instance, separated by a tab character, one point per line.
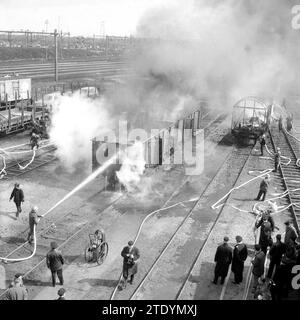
30	235
276	166
273	263
217	277
262	149
238	276
19	209
261	193
60	276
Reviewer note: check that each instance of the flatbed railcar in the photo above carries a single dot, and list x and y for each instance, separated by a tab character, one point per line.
13	89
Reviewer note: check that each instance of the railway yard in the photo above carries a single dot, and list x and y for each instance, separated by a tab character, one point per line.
175	225
147	167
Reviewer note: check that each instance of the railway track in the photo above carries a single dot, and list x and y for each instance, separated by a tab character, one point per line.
42	158
46	70
75	222
286	178
160	280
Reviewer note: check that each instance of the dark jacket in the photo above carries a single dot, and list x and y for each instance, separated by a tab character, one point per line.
264	226
18	195
290	234
277	157
129	264
240	254
54	260
276	251
223	258
264	185
263	141
259	264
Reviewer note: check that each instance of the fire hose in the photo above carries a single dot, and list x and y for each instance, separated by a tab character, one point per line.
139	231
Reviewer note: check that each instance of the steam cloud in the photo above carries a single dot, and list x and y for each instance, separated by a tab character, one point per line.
133	166
75	122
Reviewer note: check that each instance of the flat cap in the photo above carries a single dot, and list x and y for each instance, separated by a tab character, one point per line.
61	292
238	238
130	243
287	223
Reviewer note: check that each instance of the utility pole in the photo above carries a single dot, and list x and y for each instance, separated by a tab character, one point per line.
46	46
55	56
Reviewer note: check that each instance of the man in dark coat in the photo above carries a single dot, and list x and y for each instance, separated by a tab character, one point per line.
18	196
258	264
131	256
262	144
290	234
240	254
33	221
267	225
55	261
276	252
263	188
223	258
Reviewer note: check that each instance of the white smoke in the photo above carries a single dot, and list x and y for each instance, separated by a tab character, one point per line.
75	121
133	166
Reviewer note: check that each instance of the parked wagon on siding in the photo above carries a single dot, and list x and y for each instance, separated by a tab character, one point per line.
14	89
251	118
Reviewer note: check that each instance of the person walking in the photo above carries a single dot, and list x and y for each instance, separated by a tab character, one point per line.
276	252
267	225
33	221
277	159
223	259
18	197
130	256
258	264
262	144
55	261
17	291
240	254
263	188
280	124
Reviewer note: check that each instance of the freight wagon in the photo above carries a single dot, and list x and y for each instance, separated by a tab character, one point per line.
14	89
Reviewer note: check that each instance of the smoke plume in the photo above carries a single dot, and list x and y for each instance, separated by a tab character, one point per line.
75	122
218	50
133	167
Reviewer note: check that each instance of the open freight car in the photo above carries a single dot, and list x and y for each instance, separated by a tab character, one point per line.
14	89
251	117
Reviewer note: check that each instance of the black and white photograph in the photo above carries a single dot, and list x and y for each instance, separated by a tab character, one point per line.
150	153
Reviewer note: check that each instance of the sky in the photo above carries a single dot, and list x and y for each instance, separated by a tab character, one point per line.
79	17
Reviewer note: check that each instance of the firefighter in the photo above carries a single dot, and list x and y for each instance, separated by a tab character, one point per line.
34	141
18	196
33	221
131	256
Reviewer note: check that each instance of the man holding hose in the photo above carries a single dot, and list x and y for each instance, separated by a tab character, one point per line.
33	221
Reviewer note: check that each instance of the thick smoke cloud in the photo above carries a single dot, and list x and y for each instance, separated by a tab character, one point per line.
221	50
75	122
